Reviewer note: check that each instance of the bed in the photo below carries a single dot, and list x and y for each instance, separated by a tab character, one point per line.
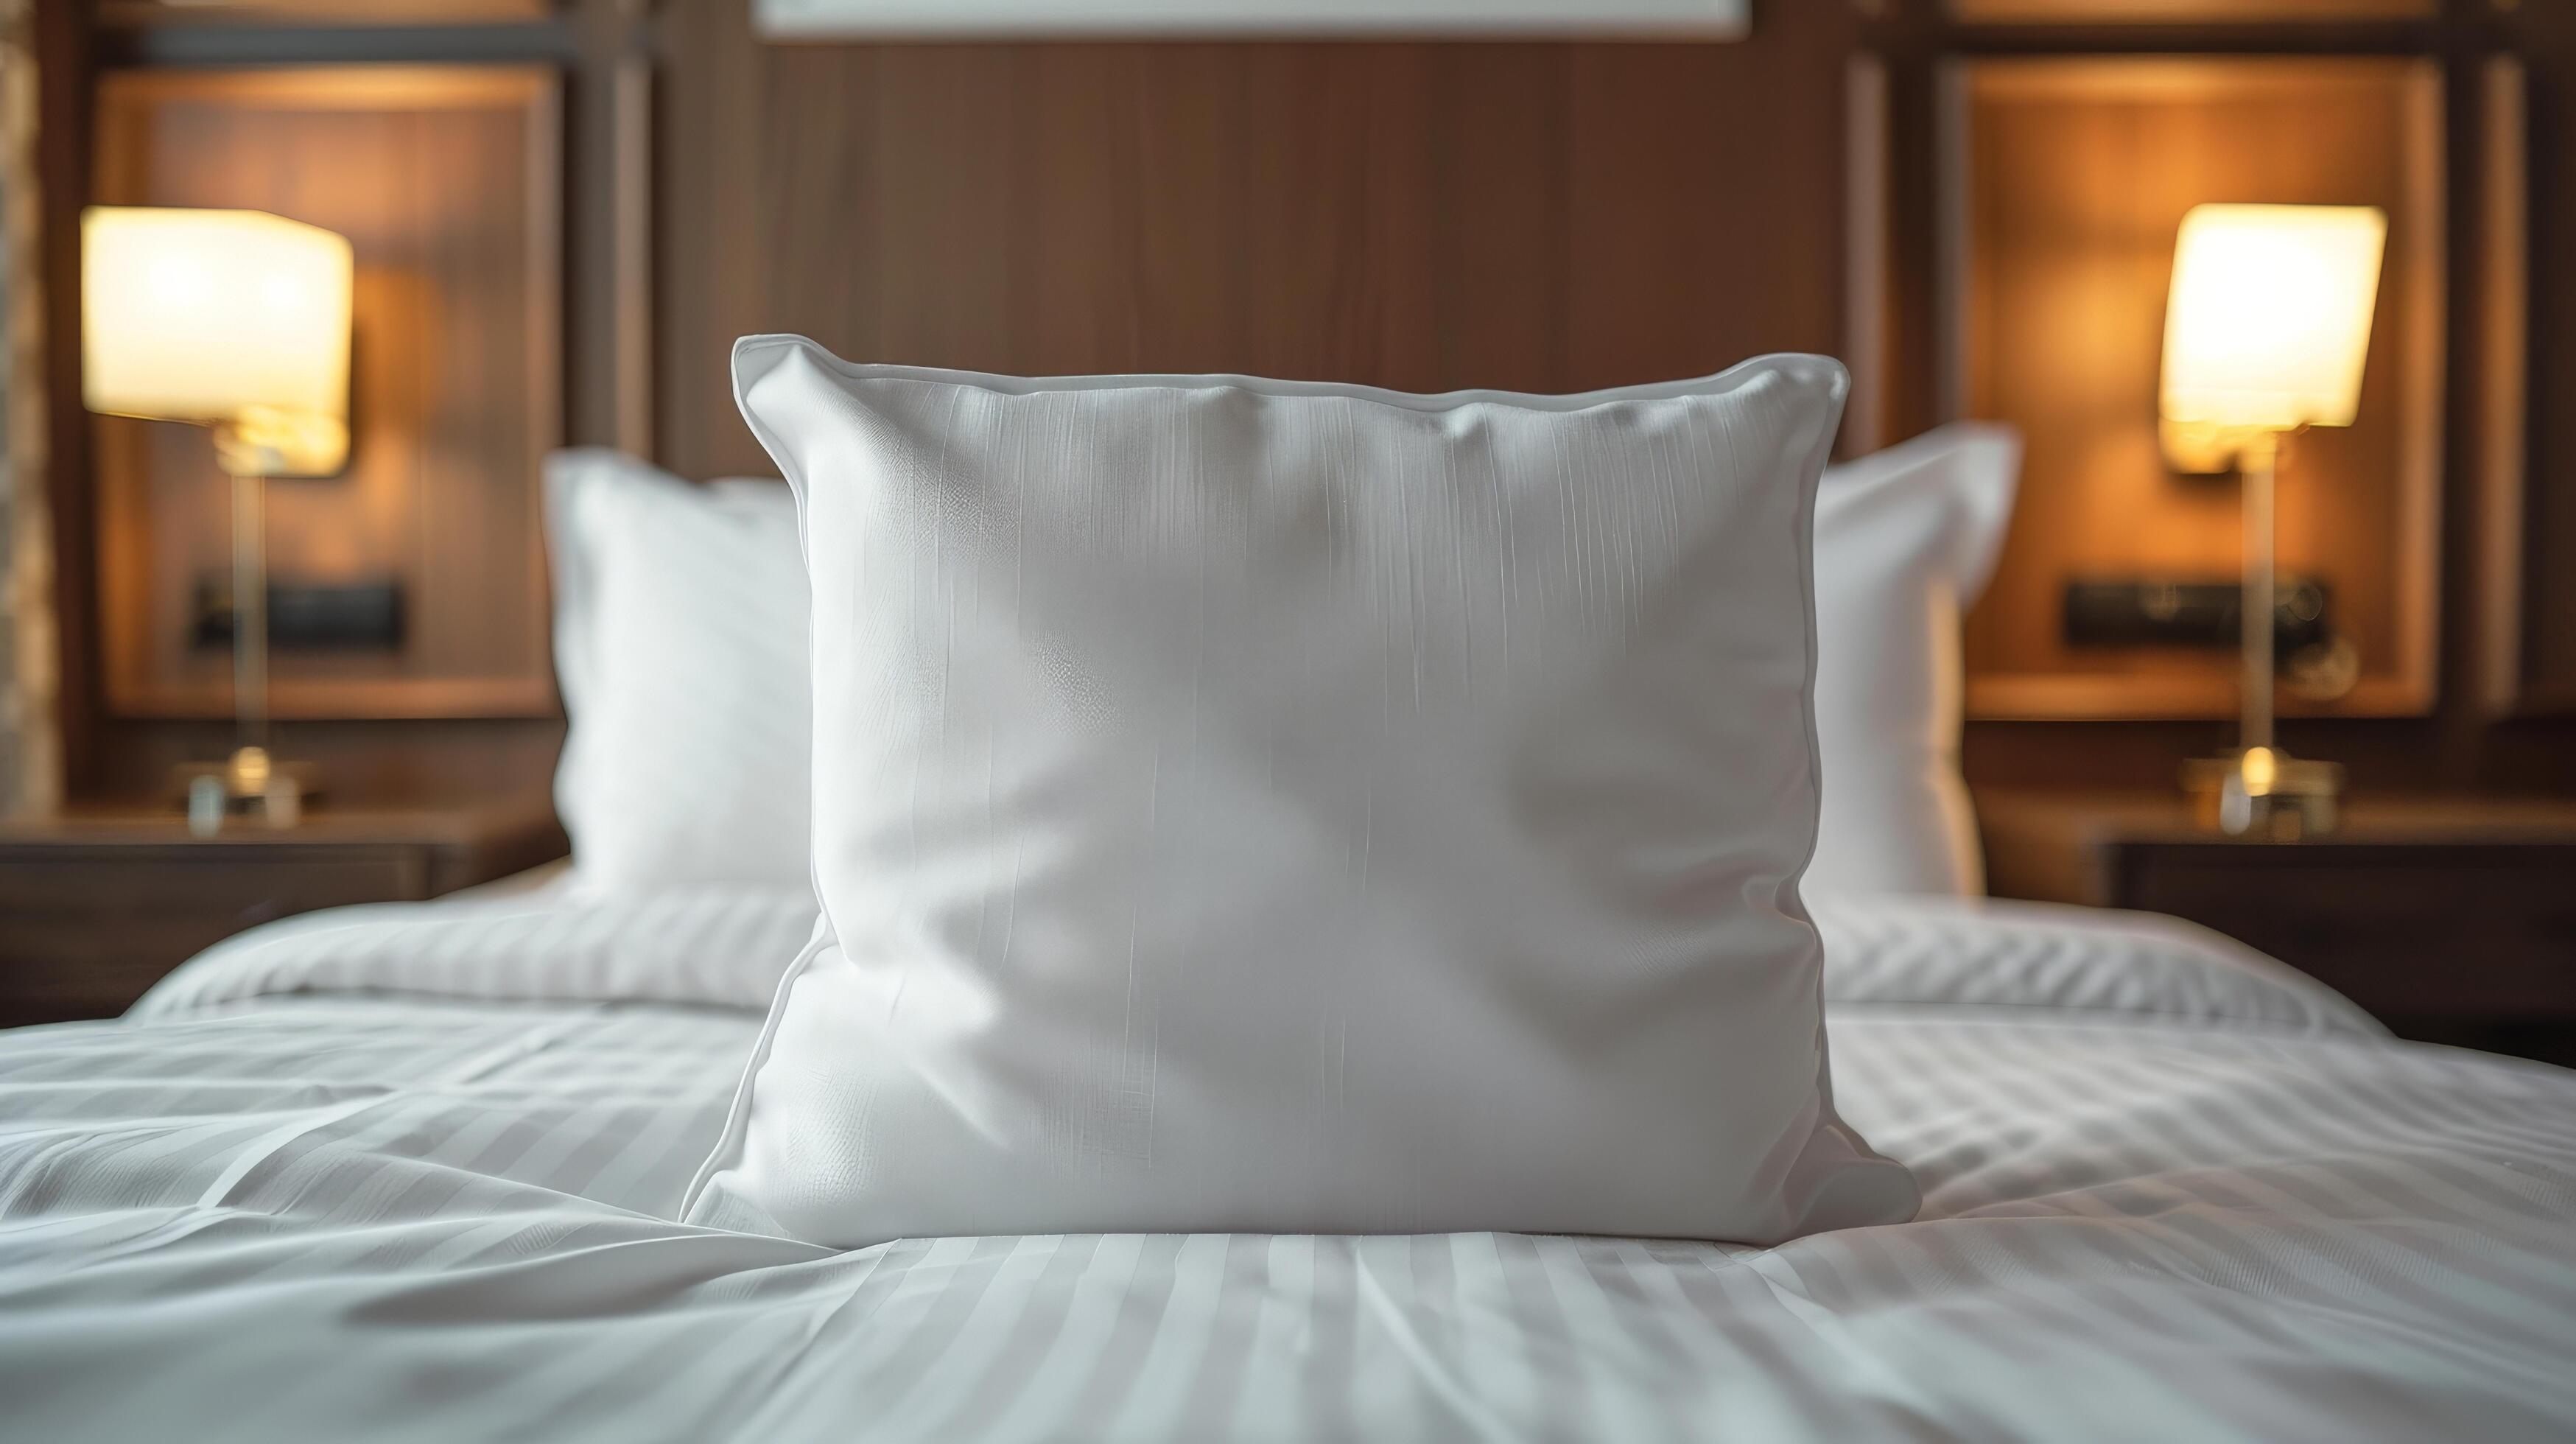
407	1172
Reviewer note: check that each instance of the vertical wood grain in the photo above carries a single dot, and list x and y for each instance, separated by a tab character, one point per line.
1423	216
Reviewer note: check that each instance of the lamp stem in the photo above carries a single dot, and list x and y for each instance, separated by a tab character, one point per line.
250	611
2261	457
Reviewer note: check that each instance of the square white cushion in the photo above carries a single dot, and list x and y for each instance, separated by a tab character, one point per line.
1256	806
1905	540
680	622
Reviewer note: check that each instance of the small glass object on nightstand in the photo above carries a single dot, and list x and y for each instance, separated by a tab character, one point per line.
2264	792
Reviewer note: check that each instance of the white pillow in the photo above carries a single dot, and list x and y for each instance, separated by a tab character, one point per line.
1256	806
680	621
1904	542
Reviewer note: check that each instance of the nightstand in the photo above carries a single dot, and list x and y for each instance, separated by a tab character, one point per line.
96	904
2453	920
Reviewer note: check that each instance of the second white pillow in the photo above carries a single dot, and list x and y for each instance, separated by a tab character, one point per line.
680	621
1904	541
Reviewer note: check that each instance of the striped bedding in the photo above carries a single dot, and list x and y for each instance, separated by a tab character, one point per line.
406	1173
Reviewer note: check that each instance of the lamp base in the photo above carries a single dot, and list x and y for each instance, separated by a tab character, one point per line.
2264	792
249	783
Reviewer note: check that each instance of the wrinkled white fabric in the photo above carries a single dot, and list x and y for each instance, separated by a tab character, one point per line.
566	939
573	939
440	1219
1970	953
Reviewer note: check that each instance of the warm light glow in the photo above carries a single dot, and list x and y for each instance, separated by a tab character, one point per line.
2269	321
2261	769
238	319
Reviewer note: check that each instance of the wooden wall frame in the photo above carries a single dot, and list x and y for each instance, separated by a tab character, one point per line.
2502	403
2528	637
2137	12
1869	270
2062	181
322	12
630	255
448	182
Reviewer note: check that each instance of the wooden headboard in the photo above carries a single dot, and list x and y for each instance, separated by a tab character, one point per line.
1870	178
1542	217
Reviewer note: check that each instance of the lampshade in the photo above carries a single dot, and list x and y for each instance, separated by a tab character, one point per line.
239	319
2269	320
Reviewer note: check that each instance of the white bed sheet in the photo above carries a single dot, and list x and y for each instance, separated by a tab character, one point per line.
2169	1194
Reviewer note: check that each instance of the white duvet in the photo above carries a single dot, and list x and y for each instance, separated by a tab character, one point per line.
406	1172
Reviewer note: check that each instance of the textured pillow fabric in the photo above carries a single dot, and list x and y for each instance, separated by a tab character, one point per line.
680	623
1257	806
1905	540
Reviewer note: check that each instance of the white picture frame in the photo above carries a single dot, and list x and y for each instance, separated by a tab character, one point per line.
1252	19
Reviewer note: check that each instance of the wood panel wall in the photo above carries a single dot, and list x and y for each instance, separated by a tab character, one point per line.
1547	216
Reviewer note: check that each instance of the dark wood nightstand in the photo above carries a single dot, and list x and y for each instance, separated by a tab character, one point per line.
2451	919
97	904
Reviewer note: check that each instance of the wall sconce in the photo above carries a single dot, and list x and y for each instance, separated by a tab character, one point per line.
2266	334
237	321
